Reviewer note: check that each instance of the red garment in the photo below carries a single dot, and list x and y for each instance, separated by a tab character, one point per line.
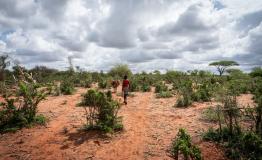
125	83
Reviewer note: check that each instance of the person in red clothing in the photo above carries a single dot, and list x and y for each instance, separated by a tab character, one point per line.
125	88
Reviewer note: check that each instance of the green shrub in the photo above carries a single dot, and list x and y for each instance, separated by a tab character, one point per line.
120	71
145	88
238	145
201	95
134	87
2	87
256	72
101	111
164	94
40	119
251	145
20	108
10	116
87	83
160	87
182	145
183	101
102	84
67	87
212	135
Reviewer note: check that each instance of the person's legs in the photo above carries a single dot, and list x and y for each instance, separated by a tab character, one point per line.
125	98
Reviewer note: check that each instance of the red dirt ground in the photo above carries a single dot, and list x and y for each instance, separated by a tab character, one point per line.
150	124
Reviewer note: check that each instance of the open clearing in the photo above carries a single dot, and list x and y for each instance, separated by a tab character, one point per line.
150	124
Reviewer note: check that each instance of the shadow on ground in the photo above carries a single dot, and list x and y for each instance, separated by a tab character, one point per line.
81	136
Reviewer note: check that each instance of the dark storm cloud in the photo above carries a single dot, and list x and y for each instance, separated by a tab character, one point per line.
136	56
188	24
252	54
118	29
154	45
17	8
256	42
203	43
167	54
13	13
142	35
249	21
249	59
78	46
254	49
75	45
27	56
54	9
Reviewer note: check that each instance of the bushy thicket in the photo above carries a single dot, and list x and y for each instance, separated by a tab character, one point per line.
119	71
239	141
182	145
185	91
67	87
160	87
241	145
20	106
102	84
101	111
141	82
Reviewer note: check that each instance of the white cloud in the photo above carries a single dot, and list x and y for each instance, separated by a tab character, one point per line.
147	35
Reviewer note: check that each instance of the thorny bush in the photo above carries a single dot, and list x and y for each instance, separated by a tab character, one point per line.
101	111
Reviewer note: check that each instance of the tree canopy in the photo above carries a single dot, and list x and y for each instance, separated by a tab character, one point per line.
256	72
223	65
120	71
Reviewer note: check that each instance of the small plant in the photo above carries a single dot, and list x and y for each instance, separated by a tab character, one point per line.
87	83
67	87
40	119
102	84
251	145
134	87
101	111
182	145
212	135
202	94
164	94
145	88
160	87
255	114
183	101
231	113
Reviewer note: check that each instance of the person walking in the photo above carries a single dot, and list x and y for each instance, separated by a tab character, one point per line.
125	88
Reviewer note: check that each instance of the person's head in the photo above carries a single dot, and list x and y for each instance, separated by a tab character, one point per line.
125	77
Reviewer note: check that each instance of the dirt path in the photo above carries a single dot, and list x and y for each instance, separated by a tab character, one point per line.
150	124
131	144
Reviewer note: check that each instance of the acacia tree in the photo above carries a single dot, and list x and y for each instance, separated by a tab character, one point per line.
3	64
223	65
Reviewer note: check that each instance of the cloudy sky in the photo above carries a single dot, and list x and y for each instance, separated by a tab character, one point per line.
145	34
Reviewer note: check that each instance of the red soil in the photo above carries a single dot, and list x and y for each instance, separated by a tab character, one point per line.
150	124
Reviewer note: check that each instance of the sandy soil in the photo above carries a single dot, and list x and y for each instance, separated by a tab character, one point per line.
150	124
